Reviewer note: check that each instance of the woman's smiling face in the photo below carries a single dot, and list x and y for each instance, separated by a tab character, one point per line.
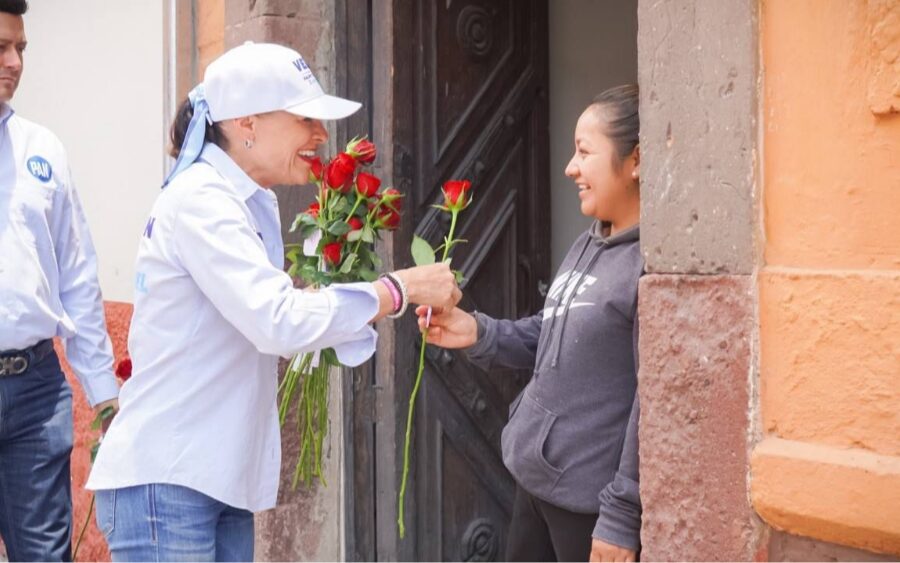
602	178
283	145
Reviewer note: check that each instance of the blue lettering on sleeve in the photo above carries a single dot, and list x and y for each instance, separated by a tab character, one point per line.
148	230
140	282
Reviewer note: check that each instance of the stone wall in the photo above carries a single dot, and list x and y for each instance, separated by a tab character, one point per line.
698	69
769	327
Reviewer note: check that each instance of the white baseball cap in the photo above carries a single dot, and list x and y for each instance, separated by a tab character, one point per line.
262	77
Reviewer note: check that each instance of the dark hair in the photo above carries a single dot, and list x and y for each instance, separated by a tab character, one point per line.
179	128
617	109
14	7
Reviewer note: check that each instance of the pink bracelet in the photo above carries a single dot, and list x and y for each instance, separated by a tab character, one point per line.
395	293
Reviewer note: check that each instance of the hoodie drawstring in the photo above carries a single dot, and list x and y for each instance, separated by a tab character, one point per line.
562	328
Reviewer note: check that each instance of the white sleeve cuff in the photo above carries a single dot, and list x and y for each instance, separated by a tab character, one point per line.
355	304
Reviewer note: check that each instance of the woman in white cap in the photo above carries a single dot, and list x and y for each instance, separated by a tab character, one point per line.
195	449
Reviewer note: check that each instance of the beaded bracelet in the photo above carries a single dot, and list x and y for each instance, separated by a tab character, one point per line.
404	295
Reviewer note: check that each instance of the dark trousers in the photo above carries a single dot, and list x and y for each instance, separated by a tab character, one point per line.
540	531
35	443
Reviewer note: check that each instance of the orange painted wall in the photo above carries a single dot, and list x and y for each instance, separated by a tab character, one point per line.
210	32
829	293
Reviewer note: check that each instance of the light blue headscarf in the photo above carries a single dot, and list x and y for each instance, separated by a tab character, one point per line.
196	133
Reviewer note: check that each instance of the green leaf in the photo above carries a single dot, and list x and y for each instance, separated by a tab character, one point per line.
302	219
348	263
340	205
307	231
354	236
106	413
422	253
459	277
367	274
329	356
368	235
308	273
339	228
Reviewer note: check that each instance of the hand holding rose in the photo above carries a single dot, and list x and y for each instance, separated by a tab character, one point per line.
449	328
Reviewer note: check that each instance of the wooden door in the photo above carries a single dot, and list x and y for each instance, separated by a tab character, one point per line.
469	99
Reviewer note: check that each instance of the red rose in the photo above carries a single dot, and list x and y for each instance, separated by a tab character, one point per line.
387	215
388	218
392	198
316	169
363	151
355	223
313	210
123	370
332	253
367	185
339	172
456	194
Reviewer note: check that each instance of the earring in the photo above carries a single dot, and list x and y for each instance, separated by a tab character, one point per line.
634	174
248	143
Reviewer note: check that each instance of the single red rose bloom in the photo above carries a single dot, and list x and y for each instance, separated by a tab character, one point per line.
456	193
392	198
313	210
367	185
332	253
355	223
339	172
389	218
316	169
363	150
123	370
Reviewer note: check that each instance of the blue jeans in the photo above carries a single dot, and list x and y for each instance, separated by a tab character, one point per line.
160	522
35	444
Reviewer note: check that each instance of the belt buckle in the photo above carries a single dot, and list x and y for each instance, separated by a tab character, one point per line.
13	365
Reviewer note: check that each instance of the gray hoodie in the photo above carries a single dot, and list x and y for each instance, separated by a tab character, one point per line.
571	439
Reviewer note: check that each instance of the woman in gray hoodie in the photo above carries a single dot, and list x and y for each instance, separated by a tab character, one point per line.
571	440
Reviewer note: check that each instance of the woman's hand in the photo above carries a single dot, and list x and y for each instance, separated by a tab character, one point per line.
433	285
602	551
449	328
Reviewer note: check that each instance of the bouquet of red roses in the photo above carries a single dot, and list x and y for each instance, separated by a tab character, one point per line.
339	231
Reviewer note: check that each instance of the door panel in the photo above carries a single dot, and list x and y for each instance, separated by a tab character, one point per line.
470	102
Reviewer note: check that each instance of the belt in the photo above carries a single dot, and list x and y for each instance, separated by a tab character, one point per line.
17	362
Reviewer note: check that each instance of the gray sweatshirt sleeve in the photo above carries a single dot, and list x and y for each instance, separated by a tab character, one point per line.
619	522
505	343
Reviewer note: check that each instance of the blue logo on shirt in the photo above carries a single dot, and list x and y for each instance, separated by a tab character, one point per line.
39	168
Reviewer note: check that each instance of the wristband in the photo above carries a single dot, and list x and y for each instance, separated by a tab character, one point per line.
395	293
404	295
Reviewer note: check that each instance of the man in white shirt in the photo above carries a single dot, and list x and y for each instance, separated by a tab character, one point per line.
48	288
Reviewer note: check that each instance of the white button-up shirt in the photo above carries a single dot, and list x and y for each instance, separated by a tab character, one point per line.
213	311
48	269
